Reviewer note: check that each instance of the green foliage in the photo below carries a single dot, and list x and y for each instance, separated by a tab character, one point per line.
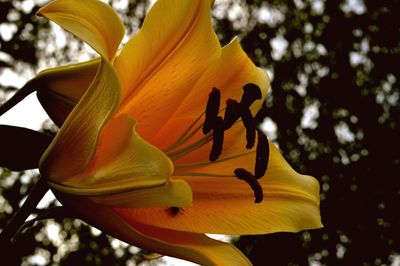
335	103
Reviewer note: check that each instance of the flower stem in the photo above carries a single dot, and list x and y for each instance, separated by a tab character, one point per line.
12	228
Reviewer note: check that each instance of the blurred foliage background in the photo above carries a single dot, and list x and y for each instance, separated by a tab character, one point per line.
333	109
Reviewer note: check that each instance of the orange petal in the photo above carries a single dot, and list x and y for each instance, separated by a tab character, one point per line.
229	74
160	65
225	205
194	247
126	171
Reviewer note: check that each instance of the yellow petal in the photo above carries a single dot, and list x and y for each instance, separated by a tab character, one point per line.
59	89
160	64
174	193
194	247
127	171
229	74
225	205
92	21
73	148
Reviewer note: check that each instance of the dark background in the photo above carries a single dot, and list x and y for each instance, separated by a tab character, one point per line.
335	104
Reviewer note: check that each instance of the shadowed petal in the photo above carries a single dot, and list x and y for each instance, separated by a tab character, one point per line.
225	205
73	148
92	21
59	89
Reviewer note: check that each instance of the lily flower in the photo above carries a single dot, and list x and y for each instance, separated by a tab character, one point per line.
158	144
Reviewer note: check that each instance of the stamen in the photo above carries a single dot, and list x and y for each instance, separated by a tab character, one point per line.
250	126
191	165
218	139
214	127
232	113
251	93
262	155
248	177
261	114
212	110
177	173
176	154
188	134
185	135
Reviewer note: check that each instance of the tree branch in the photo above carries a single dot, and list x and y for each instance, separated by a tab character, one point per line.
12	228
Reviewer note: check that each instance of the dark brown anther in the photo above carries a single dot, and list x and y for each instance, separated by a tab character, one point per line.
248	122
262	155
232	113
235	110
218	139
248	177
261	115
251	93
212	110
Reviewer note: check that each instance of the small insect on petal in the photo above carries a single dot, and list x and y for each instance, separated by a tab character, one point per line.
174	211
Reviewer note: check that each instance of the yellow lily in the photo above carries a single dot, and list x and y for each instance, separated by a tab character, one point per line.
130	156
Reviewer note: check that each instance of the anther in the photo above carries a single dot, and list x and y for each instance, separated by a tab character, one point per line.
262	155
212	110
232	113
248	177
248	122
260	116
218	139
251	93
